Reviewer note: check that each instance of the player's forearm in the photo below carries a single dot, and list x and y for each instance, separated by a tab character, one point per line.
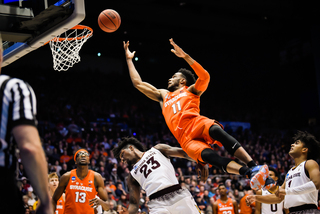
268	199
203	77
200	71
105	205
134	75
188	59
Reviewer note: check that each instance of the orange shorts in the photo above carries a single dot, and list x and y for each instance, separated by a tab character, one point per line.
196	138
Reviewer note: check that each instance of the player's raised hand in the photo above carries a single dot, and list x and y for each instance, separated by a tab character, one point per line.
203	172
177	50
129	54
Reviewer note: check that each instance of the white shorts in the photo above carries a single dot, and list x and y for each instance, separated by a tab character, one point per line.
177	202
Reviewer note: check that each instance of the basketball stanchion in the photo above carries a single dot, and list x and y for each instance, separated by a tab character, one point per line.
65	48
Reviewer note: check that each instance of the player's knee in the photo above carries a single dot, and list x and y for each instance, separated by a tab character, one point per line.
215	131
229	142
211	157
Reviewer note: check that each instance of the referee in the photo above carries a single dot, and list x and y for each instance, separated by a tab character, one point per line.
18	132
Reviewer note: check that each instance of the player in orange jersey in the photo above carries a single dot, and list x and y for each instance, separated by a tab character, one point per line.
180	107
224	205
81	185
53	180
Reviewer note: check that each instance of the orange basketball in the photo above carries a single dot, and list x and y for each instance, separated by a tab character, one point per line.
109	20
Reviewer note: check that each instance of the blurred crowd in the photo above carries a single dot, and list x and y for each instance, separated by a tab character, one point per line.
75	113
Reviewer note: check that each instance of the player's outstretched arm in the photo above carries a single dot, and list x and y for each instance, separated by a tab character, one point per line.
169	151
34	161
144	87
134	193
203	76
266	199
60	189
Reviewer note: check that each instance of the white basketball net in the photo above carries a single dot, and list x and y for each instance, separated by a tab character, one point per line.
65	48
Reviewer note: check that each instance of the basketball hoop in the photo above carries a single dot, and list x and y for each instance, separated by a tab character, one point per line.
65	48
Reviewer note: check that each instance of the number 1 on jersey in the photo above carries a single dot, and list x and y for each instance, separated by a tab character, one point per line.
174	107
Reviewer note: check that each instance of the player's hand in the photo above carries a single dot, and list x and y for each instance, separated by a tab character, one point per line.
203	171
94	203
280	192
250	199
177	50
129	54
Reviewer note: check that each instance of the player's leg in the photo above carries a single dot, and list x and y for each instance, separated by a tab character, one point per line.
259	175
226	164
199	150
233	147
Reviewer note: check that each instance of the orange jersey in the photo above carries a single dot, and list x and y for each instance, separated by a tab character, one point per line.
225	208
79	192
182	115
244	209
179	107
60	206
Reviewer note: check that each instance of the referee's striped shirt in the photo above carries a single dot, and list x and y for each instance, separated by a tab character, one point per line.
17	107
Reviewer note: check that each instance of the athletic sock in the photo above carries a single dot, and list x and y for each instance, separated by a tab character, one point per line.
251	164
245	171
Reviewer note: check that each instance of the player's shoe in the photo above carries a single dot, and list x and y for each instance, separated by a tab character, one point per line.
269	184
259	175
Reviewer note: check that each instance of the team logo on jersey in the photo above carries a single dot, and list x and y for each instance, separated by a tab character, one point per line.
90	181
135	167
181	91
219	204
73	178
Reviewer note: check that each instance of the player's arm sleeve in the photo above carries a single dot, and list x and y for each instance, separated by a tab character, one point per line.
303	189
23	101
203	77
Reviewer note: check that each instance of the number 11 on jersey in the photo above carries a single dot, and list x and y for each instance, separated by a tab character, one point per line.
174	107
